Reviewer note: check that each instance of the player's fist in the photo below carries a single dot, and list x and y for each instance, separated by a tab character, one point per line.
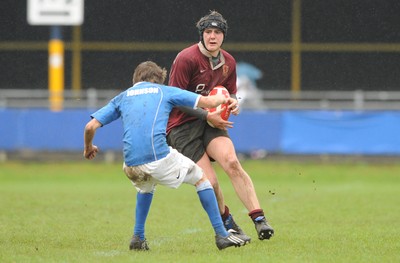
90	152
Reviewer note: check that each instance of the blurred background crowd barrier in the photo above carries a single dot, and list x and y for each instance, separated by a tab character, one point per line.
314	77
255	132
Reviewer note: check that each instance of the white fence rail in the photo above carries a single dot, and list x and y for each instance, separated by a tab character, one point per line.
263	100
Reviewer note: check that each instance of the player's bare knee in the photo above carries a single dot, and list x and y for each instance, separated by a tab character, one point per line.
232	166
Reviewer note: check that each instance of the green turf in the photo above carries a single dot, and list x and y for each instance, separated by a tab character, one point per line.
83	212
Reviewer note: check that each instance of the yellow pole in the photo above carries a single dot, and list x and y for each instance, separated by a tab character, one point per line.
56	71
296	47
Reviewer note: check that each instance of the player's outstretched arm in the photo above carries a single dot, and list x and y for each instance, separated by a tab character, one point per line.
90	150
213	101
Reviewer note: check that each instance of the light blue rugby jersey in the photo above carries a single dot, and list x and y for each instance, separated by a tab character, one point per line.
144	109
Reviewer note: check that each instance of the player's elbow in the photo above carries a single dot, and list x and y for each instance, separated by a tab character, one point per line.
89	128
92	125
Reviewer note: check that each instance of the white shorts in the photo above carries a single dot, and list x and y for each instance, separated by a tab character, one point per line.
171	171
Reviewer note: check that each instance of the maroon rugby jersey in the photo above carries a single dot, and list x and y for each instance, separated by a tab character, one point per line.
192	70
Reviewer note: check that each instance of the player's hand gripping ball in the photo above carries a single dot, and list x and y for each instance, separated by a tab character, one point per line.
225	111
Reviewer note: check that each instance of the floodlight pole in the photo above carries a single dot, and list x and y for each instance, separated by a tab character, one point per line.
56	69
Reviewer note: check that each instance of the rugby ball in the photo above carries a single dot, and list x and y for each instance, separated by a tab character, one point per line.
225	112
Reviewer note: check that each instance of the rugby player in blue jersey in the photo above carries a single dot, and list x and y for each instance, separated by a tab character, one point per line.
148	160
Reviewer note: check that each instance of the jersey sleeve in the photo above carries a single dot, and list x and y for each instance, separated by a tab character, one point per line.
108	113
185	98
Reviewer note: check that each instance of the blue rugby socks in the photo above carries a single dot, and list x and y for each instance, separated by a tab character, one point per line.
209	203
143	202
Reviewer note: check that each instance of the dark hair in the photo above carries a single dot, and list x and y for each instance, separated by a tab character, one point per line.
150	72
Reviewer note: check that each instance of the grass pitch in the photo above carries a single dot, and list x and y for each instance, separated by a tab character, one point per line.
83	212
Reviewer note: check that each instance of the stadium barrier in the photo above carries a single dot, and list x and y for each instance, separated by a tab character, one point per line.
271	131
